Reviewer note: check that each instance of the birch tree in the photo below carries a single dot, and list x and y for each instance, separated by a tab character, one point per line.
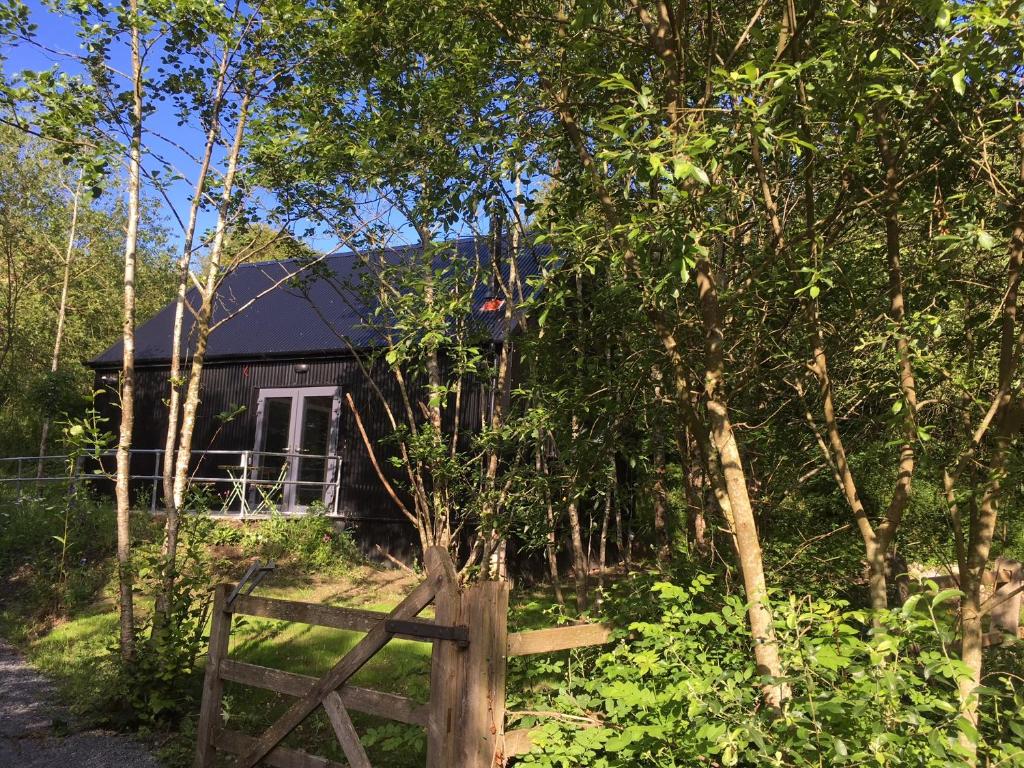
247	57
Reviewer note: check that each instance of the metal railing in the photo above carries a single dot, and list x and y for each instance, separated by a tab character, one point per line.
253	484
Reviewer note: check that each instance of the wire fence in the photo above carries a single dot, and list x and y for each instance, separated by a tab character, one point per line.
223	482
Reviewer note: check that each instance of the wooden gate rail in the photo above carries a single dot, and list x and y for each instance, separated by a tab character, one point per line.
387	705
355	619
465	717
557	639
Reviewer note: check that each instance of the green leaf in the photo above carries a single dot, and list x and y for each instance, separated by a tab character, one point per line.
943	17
700	175
959	82
945	596
815	291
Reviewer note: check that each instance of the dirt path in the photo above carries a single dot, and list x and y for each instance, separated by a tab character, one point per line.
35	732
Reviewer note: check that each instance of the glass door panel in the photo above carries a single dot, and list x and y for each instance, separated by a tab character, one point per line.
314	446
275	444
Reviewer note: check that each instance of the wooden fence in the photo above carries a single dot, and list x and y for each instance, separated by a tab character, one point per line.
465	715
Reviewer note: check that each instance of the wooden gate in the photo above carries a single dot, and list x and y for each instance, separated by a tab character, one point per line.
465	717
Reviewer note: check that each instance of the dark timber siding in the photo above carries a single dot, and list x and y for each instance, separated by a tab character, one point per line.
228	385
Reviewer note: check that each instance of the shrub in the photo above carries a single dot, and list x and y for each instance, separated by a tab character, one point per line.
680	689
54	548
157	682
311	542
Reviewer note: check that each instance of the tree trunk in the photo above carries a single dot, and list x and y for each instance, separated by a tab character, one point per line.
983	521
606	518
900	498
124	443
170	546
580	567
748	545
551	547
696	523
62	309
202	333
502	386
660	494
184	270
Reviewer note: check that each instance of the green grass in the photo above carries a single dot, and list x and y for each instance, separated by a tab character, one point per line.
77	655
77	652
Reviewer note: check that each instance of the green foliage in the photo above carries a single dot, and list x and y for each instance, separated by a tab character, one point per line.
311	543
679	688
54	537
156	683
53	551
36	199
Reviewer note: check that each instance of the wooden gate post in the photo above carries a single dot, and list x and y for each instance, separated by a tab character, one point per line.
447	675
213	685
485	610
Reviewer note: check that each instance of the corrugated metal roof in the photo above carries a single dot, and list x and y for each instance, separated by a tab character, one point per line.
272	314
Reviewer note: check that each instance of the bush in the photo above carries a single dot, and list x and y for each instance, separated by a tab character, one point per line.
157	686
311	542
681	690
54	547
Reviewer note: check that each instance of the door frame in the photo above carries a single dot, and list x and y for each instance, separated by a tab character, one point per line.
297	396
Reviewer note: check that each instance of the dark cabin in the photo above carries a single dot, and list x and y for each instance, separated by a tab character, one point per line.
273	429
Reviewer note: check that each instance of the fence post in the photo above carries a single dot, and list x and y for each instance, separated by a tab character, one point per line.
242	508
18	475
157	467
337	483
213	685
447	675
482	725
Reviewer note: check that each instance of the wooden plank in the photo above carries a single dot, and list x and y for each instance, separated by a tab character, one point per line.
349	664
213	686
483	713
518	742
387	705
280	757
355	619
558	639
447	672
345	731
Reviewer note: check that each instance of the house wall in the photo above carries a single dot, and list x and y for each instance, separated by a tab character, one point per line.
228	386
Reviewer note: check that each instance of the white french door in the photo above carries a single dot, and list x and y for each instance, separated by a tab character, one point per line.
296	445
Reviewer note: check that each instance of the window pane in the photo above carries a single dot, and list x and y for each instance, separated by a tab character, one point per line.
315	443
277	420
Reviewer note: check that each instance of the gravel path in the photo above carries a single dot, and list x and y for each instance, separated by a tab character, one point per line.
29	739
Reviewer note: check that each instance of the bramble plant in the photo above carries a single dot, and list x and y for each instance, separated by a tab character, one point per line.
680	688
156	682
